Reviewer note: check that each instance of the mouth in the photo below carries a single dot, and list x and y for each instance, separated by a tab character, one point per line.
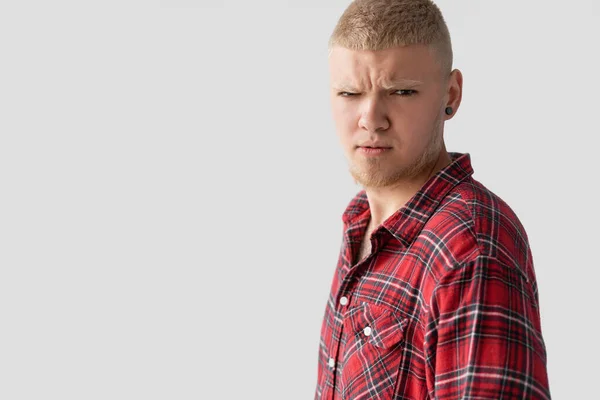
372	151
371	144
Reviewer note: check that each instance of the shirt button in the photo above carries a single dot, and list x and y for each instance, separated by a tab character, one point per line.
331	363
344	300
367	331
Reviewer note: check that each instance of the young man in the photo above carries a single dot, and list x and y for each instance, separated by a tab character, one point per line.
435	294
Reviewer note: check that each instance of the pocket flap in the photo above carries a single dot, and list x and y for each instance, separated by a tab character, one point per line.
376	325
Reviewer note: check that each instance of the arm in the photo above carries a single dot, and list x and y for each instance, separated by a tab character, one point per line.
483	335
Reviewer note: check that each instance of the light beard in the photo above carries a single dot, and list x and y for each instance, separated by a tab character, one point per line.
375	173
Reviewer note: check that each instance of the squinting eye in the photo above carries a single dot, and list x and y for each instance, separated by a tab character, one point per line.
411	92
346	94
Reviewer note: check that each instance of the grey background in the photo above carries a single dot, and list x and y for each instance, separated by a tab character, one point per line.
172	188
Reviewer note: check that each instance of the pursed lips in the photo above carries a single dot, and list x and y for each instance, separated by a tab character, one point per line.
374	147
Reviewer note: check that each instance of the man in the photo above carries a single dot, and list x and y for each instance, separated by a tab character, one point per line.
435	294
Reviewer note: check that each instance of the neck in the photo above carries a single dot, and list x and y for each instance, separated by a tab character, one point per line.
385	201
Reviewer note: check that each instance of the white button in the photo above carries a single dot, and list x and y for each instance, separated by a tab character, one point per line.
344	300
331	362
367	331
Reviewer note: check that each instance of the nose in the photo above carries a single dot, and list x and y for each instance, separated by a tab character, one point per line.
373	117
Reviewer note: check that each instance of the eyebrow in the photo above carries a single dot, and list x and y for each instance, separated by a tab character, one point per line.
400	82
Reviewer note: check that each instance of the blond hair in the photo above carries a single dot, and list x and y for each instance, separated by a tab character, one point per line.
382	24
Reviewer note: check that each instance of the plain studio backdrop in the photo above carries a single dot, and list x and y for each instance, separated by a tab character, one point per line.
171	188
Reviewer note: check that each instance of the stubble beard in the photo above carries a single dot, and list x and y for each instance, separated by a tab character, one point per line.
375	172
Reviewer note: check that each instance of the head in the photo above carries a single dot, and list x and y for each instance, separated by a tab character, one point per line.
391	77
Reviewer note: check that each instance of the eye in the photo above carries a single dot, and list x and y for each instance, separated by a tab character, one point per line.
406	92
346	94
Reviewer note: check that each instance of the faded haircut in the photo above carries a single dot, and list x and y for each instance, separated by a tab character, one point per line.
382	24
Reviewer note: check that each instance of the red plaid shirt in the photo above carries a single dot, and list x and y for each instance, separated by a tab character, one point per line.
445	307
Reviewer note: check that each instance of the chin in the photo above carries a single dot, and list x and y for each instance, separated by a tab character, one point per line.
372	179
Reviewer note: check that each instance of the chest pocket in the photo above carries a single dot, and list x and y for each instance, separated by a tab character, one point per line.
372	352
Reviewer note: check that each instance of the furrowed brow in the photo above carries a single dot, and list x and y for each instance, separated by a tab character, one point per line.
344	87
400	83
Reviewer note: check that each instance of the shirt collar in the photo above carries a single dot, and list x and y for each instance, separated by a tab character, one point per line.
406	222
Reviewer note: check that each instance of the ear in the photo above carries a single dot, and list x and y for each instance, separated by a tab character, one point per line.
454	93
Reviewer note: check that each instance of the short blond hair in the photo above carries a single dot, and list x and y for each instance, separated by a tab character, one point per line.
382	24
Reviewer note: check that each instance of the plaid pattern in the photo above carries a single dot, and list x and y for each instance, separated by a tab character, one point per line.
446	307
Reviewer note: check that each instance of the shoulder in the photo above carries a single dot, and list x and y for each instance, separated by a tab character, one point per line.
472	222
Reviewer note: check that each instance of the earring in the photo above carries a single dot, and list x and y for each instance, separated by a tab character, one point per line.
448	110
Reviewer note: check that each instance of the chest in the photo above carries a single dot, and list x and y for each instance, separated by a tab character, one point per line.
365	247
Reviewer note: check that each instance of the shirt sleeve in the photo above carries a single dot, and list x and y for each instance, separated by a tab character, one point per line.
483	337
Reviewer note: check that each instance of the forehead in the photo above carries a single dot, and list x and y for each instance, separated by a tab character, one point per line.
413	62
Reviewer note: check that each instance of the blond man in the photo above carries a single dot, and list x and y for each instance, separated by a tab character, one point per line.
435	293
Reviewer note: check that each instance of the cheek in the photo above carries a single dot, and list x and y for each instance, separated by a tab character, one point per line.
345	138
342	112
413	122
345	121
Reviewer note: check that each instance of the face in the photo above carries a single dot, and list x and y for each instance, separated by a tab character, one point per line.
392	100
